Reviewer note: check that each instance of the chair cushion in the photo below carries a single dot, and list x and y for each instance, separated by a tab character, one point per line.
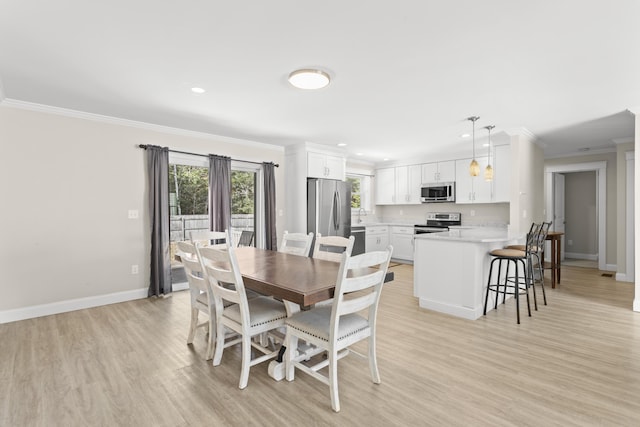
316	322
517	247
262	310
507	253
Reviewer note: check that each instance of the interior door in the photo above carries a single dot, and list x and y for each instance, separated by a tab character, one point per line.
558	207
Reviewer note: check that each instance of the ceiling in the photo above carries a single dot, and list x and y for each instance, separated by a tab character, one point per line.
404	78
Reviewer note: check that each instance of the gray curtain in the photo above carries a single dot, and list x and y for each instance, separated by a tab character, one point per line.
271	237
158	173
219	193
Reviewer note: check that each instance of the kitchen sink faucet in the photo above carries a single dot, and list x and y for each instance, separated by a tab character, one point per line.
359	217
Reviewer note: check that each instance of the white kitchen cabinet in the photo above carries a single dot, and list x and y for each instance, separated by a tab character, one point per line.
399	185
320	165
472	189
385	186
376	238
408	183
502	174
439	172
402	242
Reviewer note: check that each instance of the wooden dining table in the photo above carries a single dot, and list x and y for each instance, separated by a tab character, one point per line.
299	281
303	281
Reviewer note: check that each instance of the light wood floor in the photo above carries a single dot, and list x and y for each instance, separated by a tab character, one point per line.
575	362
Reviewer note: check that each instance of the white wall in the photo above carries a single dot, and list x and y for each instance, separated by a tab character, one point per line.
67	184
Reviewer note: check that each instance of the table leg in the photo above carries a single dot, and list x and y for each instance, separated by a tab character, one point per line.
559	255
553	264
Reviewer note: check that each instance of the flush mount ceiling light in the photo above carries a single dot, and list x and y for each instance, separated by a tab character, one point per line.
309	79
197	90
474	168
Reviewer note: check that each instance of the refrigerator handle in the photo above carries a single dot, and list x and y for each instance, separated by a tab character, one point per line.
339	206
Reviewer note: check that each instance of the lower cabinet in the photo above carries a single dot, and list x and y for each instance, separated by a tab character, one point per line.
402	242
377	238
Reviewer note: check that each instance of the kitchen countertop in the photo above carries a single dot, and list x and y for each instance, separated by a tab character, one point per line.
476	235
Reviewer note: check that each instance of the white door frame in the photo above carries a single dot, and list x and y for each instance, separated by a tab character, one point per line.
629	275
601	202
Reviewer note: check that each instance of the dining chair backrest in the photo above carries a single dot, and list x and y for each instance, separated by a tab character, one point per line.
192	266
350	280
331	248
225	280
531	244
246	238
296	243
542	235
208	238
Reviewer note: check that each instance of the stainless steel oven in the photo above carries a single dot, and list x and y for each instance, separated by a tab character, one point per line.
437	222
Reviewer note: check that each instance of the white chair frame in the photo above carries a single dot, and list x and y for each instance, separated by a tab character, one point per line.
221	270
333	329
304	242
334	241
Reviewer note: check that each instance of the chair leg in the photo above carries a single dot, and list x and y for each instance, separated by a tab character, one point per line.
516	292
211	336
333	380
193	326
246	360
526	285
486	296
217	356
373	361
541	272
532	281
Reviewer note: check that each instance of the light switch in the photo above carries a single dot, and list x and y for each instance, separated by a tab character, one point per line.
133	214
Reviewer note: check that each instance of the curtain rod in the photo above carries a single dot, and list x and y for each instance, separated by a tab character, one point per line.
143	146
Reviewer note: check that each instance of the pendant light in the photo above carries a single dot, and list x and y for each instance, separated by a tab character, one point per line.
488	172
474	168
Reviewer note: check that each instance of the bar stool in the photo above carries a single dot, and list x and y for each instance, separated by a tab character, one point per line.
516	286
535	260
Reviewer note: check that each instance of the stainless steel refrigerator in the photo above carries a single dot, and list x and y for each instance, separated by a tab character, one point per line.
328	207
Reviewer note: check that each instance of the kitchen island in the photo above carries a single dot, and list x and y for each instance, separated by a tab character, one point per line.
451	268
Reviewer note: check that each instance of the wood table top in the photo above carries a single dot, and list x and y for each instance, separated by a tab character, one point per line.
302	280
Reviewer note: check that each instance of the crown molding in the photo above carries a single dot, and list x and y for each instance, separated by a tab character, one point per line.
581	153
31	106
635	110
522	131
624	140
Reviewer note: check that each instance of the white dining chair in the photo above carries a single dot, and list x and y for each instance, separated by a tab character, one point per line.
296	243
201	299
330	248
246	317
334	328
207	238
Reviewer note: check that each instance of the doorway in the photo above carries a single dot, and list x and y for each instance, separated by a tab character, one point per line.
554	175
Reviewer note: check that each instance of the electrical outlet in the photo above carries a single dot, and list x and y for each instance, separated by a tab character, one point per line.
401	212
524	213
133	214
134	269
569	242
472	212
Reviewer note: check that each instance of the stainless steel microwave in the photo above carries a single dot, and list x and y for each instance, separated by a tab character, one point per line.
438	192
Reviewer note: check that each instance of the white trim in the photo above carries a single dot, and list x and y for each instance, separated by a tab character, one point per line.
2	96
575	255
609	267
601	188
182	286
630	236
621	277
624	140
582	153
132	123
70	305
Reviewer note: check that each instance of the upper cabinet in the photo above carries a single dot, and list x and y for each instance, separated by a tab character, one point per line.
321	165
475	189
439	172
502	174
399	185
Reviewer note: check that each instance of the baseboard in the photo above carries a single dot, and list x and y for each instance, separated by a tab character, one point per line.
182	286
575	255
611	267
621	277
14	315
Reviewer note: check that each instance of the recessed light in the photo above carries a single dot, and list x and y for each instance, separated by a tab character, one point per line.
465	135
197	90
342	144
358	154
486	144
385	159
309	79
